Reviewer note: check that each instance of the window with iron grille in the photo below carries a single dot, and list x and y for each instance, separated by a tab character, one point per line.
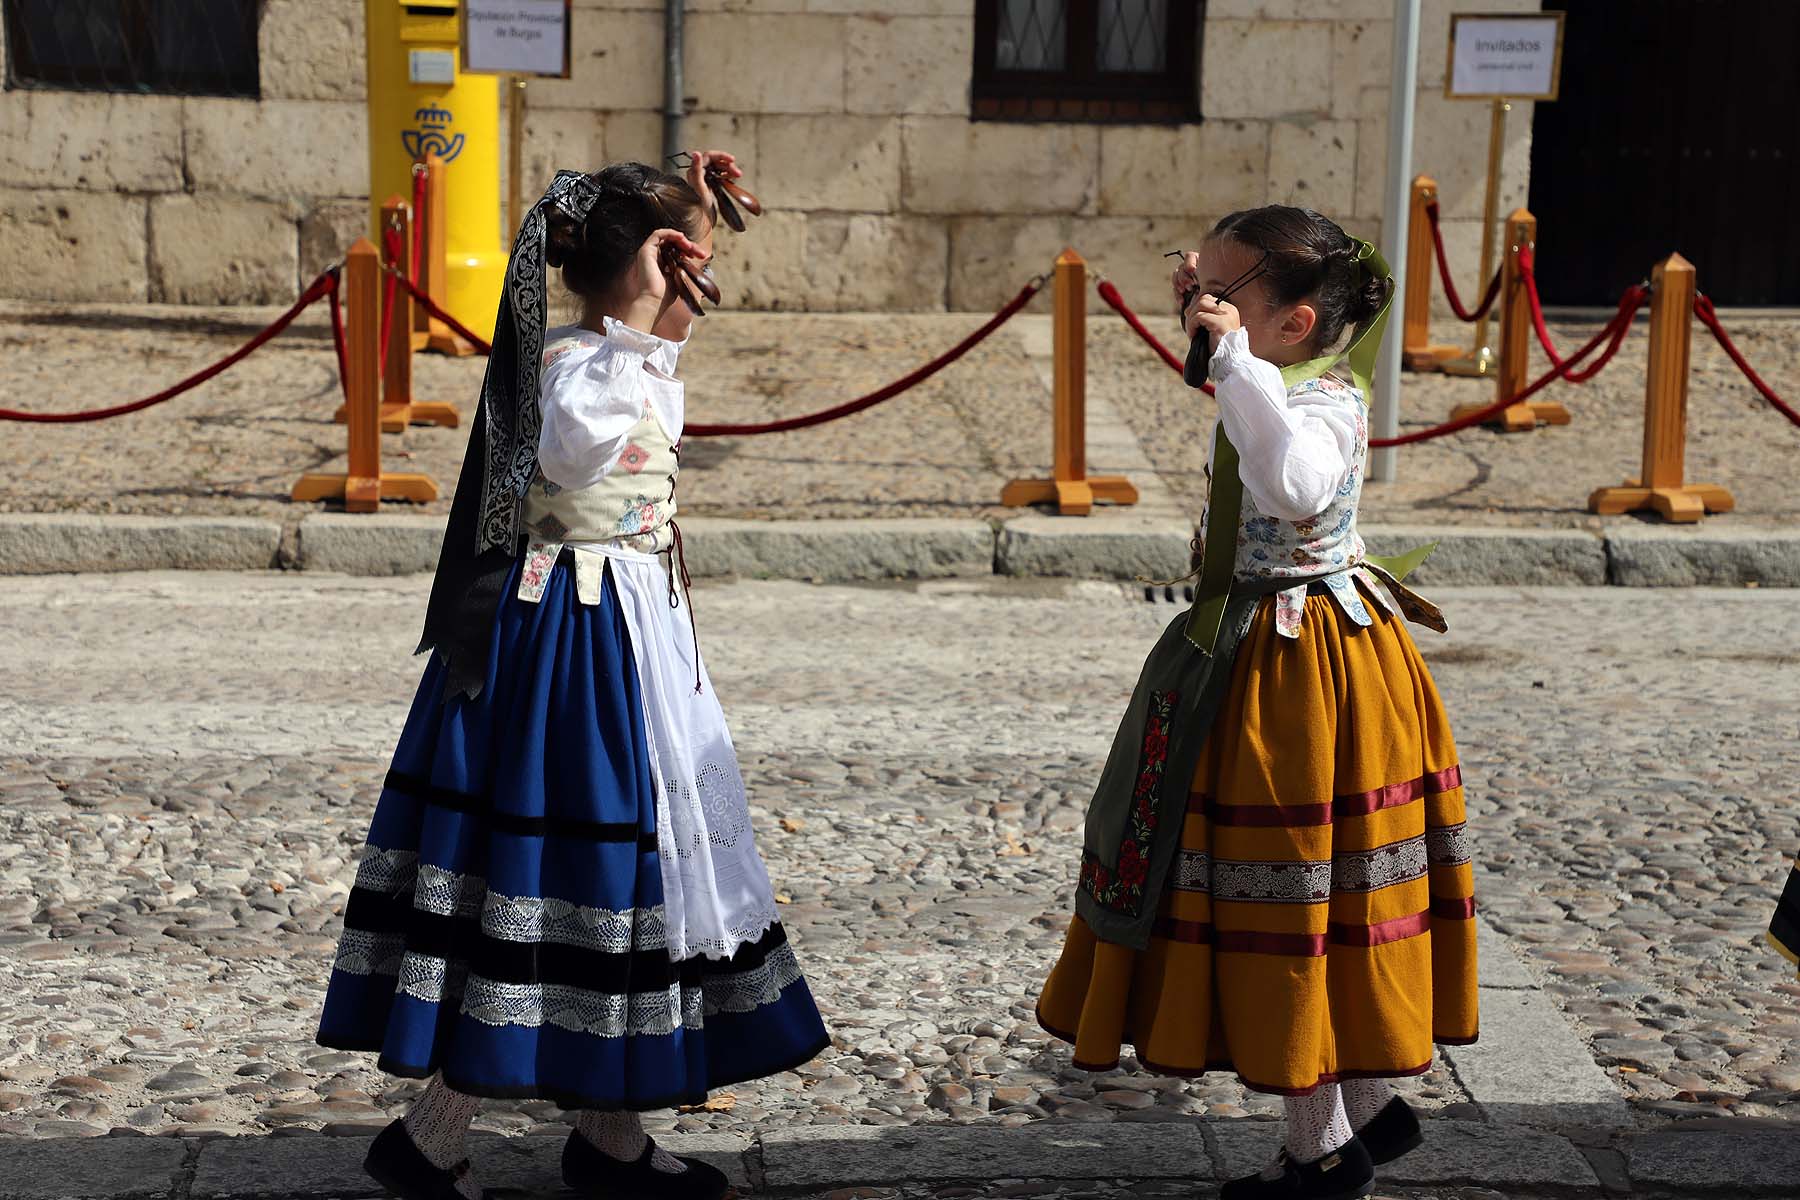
1087	60
167	47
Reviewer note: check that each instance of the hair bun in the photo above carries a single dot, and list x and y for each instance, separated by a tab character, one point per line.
1368	297
563	239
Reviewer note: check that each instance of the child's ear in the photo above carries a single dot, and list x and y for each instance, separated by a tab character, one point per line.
1297	328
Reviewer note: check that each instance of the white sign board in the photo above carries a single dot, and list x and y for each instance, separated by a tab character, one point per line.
1516	56
516	37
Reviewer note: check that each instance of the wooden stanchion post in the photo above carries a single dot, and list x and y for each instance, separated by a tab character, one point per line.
1514	360
1071	488
433	277
363	486
398	408
1418	352
1661	489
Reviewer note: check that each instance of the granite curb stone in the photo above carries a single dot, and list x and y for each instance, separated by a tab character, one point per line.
837	1156
288	1168
1667	1164
1104	546
1454	1153
1760	1162
56	543
1643	555
371	544
834	550
83	1168
839	551
1109	545
1496	557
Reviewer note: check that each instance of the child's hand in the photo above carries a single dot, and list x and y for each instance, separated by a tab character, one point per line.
1218	317
721	161
650	283
1184	279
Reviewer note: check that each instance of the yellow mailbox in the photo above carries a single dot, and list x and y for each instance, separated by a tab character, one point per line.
421	102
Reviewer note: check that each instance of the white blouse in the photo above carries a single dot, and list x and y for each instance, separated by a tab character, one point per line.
1293	455
593	389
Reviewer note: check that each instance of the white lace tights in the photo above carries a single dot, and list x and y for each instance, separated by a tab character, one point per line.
1363	1098
1316	1124
438	1123
621	1135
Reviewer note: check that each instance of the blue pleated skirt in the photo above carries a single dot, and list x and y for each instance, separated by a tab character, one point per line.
505	927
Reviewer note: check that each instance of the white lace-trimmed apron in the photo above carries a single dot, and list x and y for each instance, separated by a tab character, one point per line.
716	891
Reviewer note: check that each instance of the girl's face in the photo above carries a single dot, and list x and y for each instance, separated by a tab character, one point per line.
1281	334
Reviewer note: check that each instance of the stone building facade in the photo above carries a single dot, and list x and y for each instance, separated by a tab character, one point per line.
853	118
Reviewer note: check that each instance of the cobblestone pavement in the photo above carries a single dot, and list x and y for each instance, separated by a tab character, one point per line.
189	763
943	450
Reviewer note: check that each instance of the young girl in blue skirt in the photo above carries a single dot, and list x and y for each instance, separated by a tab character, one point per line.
561	896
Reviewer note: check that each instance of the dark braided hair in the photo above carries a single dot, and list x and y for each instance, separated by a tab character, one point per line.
635	201
1310	258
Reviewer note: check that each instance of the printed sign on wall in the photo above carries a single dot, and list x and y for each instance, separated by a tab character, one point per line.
1512	56
516	37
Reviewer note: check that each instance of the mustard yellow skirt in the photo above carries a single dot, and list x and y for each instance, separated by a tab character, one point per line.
1318	923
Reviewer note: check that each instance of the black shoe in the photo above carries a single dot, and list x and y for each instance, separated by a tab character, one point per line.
1391	1132
1344	1174
592	1172
397	1164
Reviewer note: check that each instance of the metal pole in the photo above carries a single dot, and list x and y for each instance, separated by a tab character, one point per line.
1480	360
515	156
674	103
1403	93
1490	212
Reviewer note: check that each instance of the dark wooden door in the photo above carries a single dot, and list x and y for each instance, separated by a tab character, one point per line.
1676	130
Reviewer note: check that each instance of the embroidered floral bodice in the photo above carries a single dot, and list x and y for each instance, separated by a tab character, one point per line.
607	453
1302	454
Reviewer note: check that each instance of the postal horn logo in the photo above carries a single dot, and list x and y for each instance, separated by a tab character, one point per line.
430	137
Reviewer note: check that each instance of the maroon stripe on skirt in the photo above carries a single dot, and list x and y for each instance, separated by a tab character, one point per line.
1299	945
1192	933
1382	932
1446	909
1294	816
1269	816
1393	795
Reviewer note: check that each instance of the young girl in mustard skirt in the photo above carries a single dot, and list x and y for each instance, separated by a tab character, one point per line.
1276	878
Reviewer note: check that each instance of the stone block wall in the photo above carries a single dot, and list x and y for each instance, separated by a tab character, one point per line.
192	200
852	117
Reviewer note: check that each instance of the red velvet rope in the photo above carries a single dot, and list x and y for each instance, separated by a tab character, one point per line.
337	340
1703	308
1613	333
1450	293
887	393
390	246
481	344
1110	294
1528	273
316	289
